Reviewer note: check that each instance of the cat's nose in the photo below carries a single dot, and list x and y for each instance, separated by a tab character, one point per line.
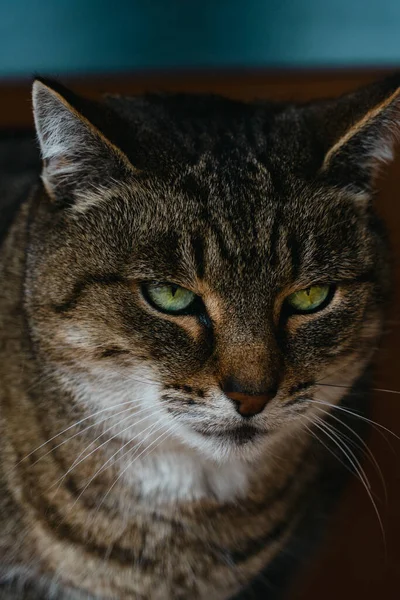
248	403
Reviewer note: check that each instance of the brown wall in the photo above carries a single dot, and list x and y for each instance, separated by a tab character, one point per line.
15	109
354	562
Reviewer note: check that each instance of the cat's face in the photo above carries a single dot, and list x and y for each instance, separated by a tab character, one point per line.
215	299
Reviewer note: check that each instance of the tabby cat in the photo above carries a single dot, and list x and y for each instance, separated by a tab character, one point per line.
186	293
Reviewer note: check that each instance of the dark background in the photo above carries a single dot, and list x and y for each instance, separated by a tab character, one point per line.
255	49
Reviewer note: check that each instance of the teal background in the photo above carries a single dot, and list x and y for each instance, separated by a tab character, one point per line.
94	36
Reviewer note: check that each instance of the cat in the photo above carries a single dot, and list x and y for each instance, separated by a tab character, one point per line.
187	292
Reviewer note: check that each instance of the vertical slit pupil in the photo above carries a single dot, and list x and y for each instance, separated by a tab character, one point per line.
174	289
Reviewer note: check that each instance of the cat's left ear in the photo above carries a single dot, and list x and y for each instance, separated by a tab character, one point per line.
367	125
78	160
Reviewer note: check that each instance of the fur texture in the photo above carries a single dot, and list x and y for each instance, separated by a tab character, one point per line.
127	471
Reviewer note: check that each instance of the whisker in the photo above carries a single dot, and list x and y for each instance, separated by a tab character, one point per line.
105	442
141	443
49	376
313	434
76	424
77	461
96	424
364	480
368	451
349	386
163	436
104	466
136	413
365	484
354	414
145	381
335	437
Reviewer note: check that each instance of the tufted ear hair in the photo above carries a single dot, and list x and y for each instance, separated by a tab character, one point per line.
359	132
78	160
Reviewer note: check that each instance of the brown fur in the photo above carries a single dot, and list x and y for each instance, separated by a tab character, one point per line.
242	204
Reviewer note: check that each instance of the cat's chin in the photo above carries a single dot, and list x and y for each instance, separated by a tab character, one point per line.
243	442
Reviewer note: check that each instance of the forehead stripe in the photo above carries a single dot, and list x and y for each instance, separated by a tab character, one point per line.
198	251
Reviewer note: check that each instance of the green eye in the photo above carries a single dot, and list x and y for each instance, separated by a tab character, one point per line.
309	299
169	297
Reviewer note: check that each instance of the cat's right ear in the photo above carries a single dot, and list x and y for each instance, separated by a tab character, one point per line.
79	162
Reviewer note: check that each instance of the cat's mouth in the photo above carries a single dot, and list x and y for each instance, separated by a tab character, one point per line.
239	435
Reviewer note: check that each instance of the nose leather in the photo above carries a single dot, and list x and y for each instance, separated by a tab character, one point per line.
248	404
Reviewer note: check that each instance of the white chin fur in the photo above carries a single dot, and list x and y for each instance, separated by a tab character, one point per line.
171	461
223	449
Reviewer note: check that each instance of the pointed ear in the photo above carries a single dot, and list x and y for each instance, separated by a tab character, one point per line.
78	160
362	130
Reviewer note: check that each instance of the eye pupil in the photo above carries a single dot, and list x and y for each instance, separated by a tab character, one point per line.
168	297
310	299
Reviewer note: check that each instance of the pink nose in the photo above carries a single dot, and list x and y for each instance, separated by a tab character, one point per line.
248	405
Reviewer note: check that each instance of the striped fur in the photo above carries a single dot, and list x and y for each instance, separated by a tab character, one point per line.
126	470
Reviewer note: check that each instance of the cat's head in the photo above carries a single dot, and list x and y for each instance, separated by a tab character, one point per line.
209	261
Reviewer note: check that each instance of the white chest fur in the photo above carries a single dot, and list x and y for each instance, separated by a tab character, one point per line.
183	475
161	467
